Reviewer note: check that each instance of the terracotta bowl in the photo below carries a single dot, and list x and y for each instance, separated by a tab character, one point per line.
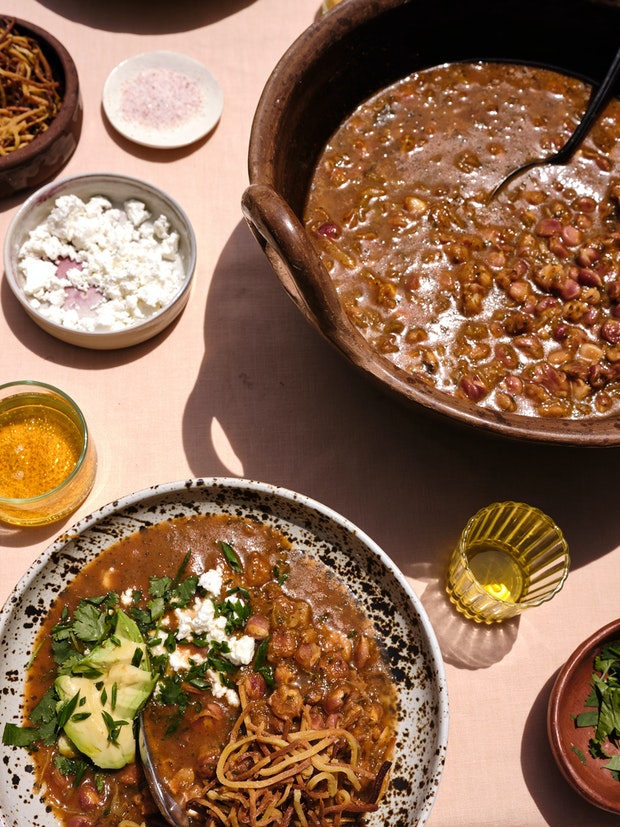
354	50
568	742
35	163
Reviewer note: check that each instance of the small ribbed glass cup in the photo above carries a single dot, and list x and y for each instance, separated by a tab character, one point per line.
47	457
510	557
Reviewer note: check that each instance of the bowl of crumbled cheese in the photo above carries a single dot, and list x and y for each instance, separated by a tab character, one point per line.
101	260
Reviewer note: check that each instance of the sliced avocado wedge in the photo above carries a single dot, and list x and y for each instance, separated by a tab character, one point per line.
104	692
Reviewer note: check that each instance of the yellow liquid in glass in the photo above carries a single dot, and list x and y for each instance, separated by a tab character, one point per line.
40	445
498	572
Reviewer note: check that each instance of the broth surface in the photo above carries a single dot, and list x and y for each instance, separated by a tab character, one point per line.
513	304
322	668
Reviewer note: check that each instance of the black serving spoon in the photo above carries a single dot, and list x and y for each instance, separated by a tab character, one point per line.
593	110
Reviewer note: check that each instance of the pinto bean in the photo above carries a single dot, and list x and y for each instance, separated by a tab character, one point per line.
530	345
334	666
571	236
610	331
335	698
519	291
473	387
307	654
257	627
79	821
362	652
255	686
286	702
548	227
282	644
206	764
589	278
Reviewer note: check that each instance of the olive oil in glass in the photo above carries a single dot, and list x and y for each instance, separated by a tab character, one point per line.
510	556
498	571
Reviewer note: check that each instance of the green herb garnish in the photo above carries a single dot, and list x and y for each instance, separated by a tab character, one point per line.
603	709
231	557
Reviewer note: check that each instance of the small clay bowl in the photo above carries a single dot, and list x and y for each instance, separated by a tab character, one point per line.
33	164
569	743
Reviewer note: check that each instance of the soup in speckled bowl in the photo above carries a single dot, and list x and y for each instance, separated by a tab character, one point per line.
334	628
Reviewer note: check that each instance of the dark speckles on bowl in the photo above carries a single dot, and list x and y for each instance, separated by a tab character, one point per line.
32	165
378	585
569	743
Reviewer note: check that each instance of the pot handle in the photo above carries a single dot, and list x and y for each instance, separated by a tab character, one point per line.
291	254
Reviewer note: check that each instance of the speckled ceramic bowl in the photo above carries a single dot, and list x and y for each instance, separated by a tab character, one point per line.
381	589
32	165
569	744
118	189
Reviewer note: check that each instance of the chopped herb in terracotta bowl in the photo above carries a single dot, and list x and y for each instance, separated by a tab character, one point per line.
583	718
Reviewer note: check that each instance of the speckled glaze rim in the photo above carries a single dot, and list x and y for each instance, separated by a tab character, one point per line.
400	620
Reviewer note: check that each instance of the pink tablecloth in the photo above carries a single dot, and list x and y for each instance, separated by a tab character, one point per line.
241	386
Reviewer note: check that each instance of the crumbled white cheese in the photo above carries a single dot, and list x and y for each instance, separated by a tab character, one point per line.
127	597
211	581
201	619
123	267
219	690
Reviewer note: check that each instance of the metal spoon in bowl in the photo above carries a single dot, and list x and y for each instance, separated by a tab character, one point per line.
563	155
168	806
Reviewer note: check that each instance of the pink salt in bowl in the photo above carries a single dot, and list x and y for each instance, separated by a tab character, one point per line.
162	99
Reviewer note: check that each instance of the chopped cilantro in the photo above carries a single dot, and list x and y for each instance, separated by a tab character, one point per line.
603	709
17	736
236	613
71	767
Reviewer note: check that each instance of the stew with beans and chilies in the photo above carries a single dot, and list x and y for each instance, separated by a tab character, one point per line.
513	303
273	704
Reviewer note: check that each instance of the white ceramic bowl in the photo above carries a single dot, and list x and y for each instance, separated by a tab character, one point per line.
118	189
380	588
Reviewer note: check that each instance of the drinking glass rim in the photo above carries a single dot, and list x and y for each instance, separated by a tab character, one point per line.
520	604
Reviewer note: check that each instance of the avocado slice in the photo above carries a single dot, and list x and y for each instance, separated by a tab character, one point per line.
110	685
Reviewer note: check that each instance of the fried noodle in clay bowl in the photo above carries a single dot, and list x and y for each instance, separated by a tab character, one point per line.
370	184
40	106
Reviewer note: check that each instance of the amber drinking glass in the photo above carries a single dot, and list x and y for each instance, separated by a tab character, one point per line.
510	557
47	458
